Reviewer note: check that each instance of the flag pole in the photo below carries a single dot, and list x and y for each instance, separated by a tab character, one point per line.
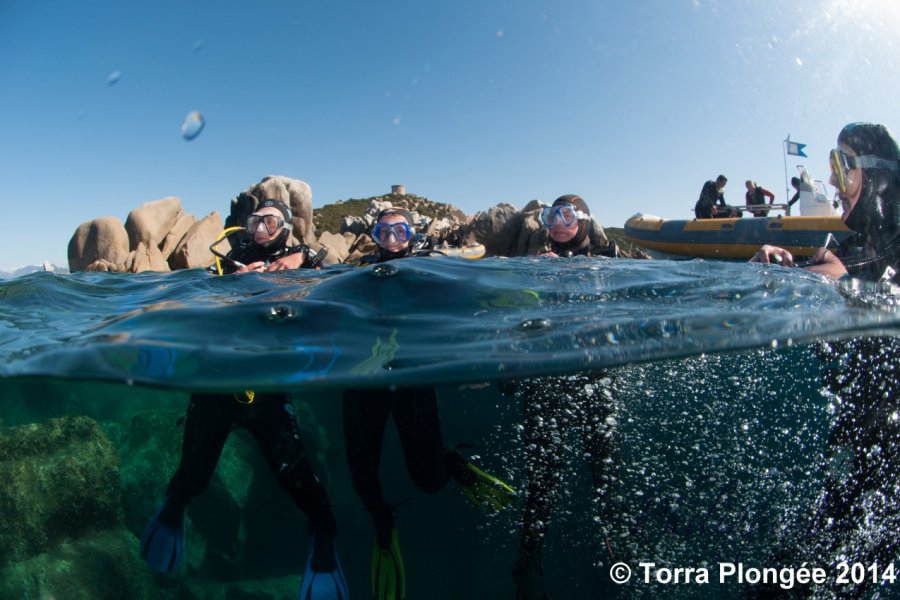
787	192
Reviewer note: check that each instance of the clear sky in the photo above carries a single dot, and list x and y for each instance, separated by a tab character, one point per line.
631	104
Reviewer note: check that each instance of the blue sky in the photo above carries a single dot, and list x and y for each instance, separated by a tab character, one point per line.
632	105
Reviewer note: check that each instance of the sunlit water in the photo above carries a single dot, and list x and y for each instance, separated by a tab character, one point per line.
725	428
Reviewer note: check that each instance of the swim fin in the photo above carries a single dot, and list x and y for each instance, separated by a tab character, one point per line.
162	544
485	490
323	578
388	574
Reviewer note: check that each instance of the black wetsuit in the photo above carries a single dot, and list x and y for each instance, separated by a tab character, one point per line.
269	418
586	405
710	196
415	410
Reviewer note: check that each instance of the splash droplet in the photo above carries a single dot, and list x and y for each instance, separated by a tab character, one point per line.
198	46
114	77
799	61
385	270
192	125
396	120
500	33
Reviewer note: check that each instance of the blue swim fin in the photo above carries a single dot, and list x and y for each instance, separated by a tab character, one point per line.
162	544
323	578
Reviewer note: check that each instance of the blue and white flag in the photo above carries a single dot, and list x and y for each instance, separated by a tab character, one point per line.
795	148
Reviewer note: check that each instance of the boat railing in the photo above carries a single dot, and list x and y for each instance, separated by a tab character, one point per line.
766	207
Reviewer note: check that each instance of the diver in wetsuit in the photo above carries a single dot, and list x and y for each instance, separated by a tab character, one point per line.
857	516
270	419
584	403
430	464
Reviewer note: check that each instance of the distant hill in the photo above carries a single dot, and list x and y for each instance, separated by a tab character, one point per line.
329	217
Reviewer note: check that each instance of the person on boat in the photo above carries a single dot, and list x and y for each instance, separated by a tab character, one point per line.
756	196
711	204
584	404
866	173
568	222
270	419
795	183
430	464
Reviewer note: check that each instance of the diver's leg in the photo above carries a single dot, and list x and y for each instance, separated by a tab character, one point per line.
273	424
365	419
207	424
429	463
206	428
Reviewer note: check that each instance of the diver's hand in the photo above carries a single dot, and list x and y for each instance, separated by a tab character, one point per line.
258	266
550	254
827	264
773	254
286	263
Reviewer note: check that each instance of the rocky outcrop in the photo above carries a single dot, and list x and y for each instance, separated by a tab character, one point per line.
104	239
193	249
151	222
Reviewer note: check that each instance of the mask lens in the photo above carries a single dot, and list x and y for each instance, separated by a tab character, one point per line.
566	212
272	223
383	231
839	170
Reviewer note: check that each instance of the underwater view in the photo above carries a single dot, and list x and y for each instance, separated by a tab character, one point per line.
694	423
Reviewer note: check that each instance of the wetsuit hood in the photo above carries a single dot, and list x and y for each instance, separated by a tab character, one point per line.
876	215
580	244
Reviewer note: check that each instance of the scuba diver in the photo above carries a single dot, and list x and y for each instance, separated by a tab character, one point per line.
430	464
584	403
866	173
857	515
270	419
568	222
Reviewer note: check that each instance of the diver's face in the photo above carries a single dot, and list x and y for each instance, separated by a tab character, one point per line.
261	234
853	182
391	243
562	233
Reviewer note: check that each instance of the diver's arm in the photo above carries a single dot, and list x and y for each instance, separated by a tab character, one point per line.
773	254
826	263
286	263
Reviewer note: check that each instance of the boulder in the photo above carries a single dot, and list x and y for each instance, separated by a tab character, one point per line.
295	193
193	249
147	259
176	233
496	229
60	481
356	225
150	222
105	266
103	239
338	245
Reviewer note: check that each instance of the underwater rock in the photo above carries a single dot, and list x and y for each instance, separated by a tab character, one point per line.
60	481
98	566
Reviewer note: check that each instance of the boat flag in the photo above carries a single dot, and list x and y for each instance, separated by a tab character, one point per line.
795	148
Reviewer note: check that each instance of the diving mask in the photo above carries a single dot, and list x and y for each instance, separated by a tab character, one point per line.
565	212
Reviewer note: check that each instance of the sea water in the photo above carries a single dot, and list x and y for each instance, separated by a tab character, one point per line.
725	427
